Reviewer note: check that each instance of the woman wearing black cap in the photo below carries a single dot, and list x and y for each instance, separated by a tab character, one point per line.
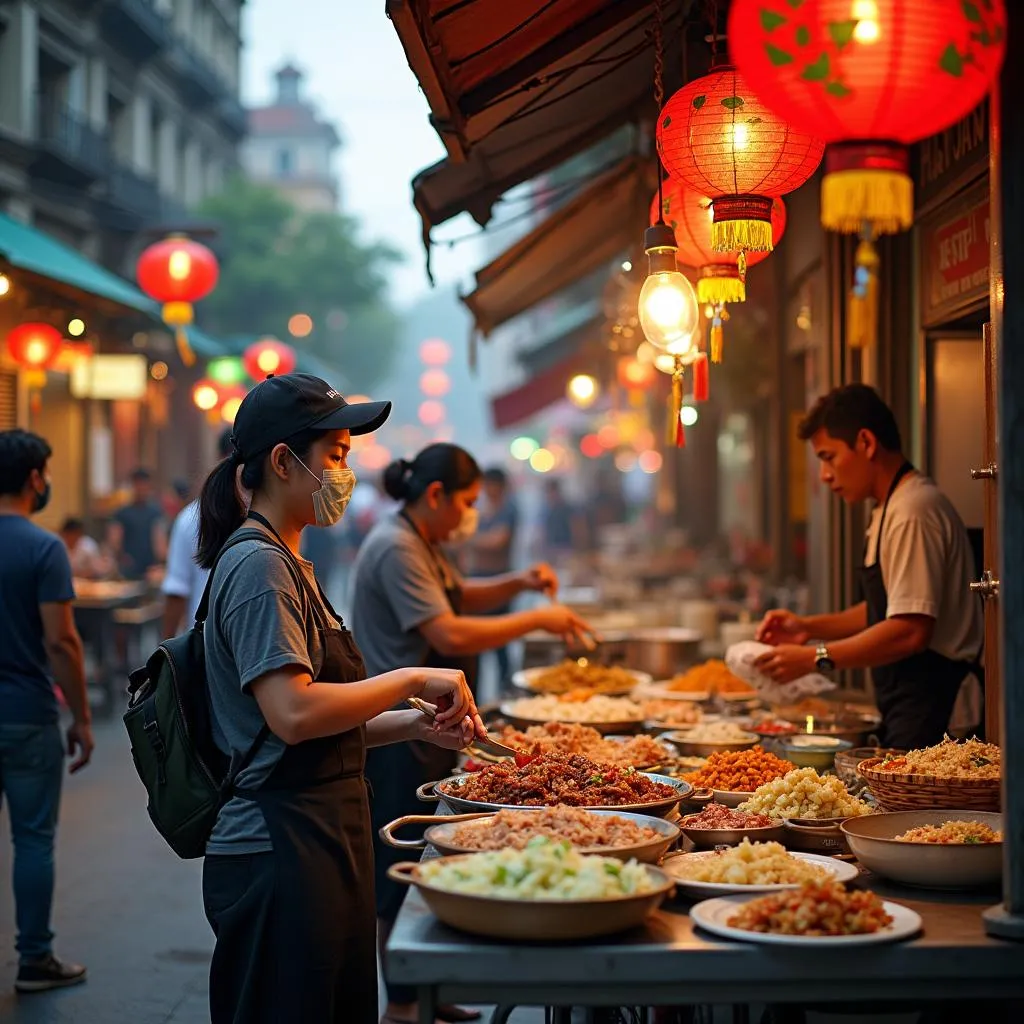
288	876
410	607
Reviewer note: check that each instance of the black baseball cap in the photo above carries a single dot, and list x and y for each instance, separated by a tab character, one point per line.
279	407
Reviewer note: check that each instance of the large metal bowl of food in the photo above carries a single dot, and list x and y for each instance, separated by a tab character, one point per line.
605	714
551	779
720	825
547	892
711	738
579	674
620	834
938	849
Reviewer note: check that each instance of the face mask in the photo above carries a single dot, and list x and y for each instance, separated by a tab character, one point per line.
43	498
467	525
332	497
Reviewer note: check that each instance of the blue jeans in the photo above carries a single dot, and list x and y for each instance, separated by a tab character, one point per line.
31	770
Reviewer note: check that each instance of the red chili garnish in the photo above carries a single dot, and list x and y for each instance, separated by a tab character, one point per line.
522	760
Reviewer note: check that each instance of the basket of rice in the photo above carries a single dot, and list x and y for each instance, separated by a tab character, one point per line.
965	775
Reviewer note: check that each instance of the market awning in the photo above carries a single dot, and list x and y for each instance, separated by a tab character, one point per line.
36	253
537	393
516	89
588	232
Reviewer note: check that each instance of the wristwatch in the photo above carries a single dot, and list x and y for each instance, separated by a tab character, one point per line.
823	660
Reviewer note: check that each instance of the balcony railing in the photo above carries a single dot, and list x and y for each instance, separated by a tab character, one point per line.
130	191
68	144
196	78
233	115
139	28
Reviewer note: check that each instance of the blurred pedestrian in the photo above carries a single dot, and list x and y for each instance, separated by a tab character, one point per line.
88	560
39	646
137	534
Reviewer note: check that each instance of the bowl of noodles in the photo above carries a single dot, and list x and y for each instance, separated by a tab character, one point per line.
935	849
547	891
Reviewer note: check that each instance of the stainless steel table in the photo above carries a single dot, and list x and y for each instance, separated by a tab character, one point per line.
668	962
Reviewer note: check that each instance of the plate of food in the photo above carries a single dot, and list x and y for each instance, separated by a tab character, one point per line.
616	834
547	891
753	867
605	714
670	714
734	775
551	779
943	849
637	751
720	825
709	738
708	679
820	915
579	674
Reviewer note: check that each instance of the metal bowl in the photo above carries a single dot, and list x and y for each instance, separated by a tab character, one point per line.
709	838
855	727
925	865
448	791
605	728
702	748
815	835
819	755
526	679
440	835
536	920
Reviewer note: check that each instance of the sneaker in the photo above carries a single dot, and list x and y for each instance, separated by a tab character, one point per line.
43	975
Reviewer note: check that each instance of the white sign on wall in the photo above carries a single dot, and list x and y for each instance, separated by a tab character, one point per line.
110	377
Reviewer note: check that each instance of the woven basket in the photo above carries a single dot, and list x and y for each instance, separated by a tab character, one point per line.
896	792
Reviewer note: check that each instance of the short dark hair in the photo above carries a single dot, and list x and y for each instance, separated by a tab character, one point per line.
847	410
72	525
496	475
20	453
448	464
141	475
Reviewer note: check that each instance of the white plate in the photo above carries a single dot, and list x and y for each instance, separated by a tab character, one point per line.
841	872
712	916
524	680
660	691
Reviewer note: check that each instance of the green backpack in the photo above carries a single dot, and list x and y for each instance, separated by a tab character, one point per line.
187	776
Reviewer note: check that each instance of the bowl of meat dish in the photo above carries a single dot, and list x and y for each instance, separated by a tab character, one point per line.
618	834
638	751
709	738
940	849
947	775
718	825
551	779
579	674
660	714
732	776
605	714
546	891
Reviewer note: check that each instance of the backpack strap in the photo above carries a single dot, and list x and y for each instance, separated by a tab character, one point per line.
236	538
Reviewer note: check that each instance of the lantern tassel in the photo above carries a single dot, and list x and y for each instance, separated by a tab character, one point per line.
701	379
677	435
187	356
746	235
716	290
884	199
862	311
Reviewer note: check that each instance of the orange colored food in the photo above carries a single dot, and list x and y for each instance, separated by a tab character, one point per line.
820	908
739	771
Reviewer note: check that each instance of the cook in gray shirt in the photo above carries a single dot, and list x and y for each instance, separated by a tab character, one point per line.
278	627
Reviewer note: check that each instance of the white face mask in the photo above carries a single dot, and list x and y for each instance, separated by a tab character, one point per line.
467	525
333	495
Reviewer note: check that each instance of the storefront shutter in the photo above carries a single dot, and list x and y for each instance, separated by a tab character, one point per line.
8	400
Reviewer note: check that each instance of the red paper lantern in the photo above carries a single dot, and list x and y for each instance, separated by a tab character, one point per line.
35	346
869	77
717	136
178	272
722	274
635	375
268	356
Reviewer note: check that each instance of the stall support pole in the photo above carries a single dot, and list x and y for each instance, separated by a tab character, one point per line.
1007	919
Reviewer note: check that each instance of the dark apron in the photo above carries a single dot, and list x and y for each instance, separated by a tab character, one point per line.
396	770
323	952
915	695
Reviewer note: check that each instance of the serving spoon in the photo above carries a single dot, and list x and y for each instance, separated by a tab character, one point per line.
493	746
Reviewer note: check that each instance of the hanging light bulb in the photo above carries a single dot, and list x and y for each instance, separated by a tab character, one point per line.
668	304
583	390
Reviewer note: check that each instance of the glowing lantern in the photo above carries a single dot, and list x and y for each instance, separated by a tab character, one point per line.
178	272
268	356
205	395
435	383
435	352
431	413
583	390
718	137
869	77
591	446
35	346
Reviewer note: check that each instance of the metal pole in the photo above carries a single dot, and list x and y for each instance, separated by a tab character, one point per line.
1007	919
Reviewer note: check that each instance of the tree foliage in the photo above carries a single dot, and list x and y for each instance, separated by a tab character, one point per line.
277	261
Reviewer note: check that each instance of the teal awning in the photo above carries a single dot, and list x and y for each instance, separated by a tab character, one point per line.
28	249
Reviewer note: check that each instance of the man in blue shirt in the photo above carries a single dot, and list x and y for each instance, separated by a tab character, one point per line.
38	647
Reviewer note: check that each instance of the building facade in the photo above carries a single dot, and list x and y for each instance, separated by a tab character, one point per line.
116	116
291	149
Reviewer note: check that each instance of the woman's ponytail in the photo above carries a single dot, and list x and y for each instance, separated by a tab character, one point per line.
396	479
221	511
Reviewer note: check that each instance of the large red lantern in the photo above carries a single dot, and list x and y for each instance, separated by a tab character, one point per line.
722	274
869	77
719	138
178	272
268	356
35	346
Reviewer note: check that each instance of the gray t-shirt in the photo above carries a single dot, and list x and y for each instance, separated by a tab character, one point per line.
397	585
261	619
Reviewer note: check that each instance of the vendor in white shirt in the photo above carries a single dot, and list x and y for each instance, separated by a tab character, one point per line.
918	627
184	581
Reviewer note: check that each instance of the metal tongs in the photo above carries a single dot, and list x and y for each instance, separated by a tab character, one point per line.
487	745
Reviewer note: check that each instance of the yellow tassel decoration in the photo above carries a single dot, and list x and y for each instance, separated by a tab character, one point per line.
678	437
862	308
717	288
185	353
717	337
884	199
179	315
748	235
